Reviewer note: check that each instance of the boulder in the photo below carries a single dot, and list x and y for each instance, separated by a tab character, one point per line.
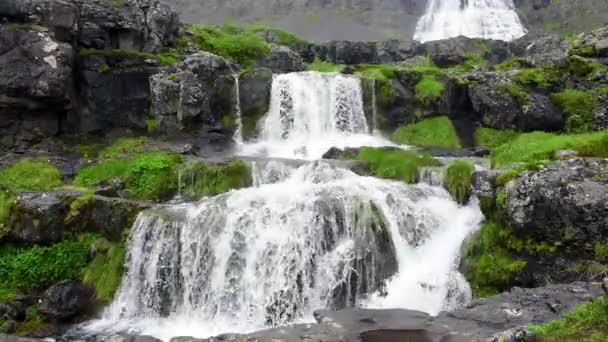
542	49
566	202
61	16
454	51
255	86
16	308
193	94
65	300
282	59
353	52
484	184
600	113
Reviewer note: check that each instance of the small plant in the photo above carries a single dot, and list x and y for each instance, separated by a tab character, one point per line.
30	174
578	105
429	90
396	164
104	272
512	63
435	132
151	125
380	72
458	180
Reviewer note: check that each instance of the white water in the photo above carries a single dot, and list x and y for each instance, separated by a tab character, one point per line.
489	19
307	235
311	112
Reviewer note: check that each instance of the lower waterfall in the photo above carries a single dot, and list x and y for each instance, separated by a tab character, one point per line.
488	19
309	234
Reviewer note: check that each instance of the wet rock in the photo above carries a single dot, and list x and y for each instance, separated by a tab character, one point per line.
16	308
254	88
65	300
192	94
565	202
110	188
282	59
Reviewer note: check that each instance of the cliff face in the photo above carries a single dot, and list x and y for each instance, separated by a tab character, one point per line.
322	20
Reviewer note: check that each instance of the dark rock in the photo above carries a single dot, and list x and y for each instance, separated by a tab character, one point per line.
8	327
3	309
359	52
59	15
133	339
282	59
255	86
188	95
110	188
109	216
540	114
600	113
16	308
484	184
542	50
65	300
565	202
337	153
454	51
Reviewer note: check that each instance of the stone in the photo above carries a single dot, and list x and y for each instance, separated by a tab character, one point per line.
600	113
64	301
484	184
110	187
282	59
133	338
565	154
16	308
255	86
602	47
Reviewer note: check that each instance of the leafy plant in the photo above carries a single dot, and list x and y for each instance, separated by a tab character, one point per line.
104	272
458	180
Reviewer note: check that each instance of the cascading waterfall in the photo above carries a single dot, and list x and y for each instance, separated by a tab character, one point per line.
307	235
311	112
238	131
489	19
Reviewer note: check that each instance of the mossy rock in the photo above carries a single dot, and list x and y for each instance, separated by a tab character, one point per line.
255	88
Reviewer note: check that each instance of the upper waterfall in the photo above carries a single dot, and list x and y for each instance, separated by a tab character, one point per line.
311	112
489	19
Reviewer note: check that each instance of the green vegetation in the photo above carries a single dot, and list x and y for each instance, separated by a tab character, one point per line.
378	71
104	272
437	131
396	164
104	69
284	37
542	77
517	93
151	125
164	58
323	66
123	146
429	89
32	321
512	63
149	175
492	138
601	250
471	61
6	201
578	105
534	146
587	322
201	179
513	173
38	267
458	180
30	174
582	68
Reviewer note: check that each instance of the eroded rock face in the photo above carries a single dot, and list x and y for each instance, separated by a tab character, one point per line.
565	202
194	93
63	301
282	59
255	87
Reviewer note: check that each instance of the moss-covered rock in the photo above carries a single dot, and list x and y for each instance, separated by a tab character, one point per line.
201	178
458	180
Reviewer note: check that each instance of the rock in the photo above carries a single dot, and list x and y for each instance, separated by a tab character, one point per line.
192	94
565	154
484	184
600	113
602	47
454	51
282	59
59	15
11	338
132	339
565	202
543	50
110	188
35	83
359	52
255	86
16	308
65	300
109	216
8	327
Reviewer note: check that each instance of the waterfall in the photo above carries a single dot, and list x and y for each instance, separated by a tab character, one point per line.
311	112
309	234
238	131
489	19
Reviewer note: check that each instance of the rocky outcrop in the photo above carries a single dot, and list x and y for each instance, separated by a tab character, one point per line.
454	51
51	216
65	300
281	59
600	113
254	90
565	202
194	94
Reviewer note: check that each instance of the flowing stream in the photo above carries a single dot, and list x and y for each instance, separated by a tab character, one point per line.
489	19
307	235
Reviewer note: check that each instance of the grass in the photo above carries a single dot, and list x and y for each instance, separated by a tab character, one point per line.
378	71
104	272
30	174
513	173
491	138
435	132
458	180
542	77
517	93
582	68
578	106
535	146
472	60
323	66
429	89
396	164
164	58
200	179
284	37
512	63
6	201
587	322
149	175
123	146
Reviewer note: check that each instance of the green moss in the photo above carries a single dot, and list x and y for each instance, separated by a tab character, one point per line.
6	201
583	50
123	146
174	78
323	66
458	180
578	106
535	146
512	63
202	179
587	322
601	250
492	138
166	58
582	68
151	125
472	60
429	89
30	174
149	175
513	173
437	132
517	93
396	164
104	69
378	71
542	77
104	272
38	267
284	37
